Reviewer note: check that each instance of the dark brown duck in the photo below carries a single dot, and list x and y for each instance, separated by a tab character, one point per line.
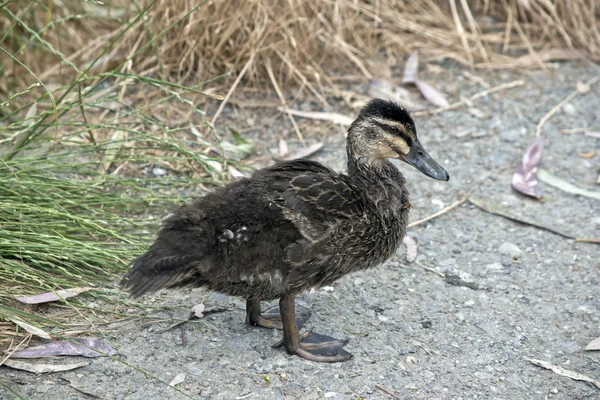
294	226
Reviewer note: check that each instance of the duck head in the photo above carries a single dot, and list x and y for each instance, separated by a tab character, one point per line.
384	130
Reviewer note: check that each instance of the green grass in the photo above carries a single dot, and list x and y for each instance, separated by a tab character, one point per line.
77	203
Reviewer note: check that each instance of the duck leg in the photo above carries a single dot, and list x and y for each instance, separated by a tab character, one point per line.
270	317
311	346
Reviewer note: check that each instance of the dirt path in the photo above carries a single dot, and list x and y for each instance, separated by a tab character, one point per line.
413	333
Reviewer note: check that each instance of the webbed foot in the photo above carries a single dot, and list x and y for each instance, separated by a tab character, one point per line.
271	316
308	345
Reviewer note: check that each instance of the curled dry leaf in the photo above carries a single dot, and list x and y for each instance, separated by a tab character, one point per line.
524	179
593	345
588	154
86	347
197	311
179	378
53	296
42	368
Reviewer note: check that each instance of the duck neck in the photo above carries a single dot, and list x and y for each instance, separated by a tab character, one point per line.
380	180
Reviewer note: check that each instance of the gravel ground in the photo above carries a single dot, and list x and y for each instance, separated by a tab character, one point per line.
413	333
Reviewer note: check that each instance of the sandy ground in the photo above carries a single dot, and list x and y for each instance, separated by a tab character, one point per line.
412	332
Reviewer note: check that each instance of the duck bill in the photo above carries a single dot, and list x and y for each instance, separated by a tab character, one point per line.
421	160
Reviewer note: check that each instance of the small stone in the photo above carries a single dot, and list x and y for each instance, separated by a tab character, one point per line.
570	109
494	267
554	390
509	136
330	394
159	171
469	303
383	318
328	289
510	249
427	324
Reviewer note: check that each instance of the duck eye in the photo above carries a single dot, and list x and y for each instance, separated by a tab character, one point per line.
394	129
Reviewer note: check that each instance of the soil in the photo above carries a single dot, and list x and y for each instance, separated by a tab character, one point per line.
510	292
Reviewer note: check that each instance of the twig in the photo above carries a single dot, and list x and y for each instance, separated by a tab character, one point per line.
556	108
283	102
478	96
384	390
479	203
232	89
441	274
461	32
442	211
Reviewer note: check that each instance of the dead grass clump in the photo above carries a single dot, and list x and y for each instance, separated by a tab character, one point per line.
304	42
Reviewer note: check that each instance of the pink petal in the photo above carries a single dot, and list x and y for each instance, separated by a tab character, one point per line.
524	179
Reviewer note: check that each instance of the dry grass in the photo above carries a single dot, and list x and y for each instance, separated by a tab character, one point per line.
305	43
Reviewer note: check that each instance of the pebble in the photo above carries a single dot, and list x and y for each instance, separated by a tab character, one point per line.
330	394
494	266
570	109
159	171
510	249
509	136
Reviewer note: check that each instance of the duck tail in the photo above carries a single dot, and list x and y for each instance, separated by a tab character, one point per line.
151	273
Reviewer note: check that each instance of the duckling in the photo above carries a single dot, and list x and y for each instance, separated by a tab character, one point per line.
292	227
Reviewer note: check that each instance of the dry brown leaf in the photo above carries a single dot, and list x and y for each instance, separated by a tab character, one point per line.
524	179
593	345
43	368
53	296
564	372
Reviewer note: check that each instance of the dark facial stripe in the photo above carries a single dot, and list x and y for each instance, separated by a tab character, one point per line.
399	133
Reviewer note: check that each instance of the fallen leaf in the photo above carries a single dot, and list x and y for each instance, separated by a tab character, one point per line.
336	118
593	345
196	311
432	95
565	186
411	69
411	75
524	179
588	154
42	368
303	152
53	296
284	151
593	134
179	378
411	248
30	328
86	347
564	372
